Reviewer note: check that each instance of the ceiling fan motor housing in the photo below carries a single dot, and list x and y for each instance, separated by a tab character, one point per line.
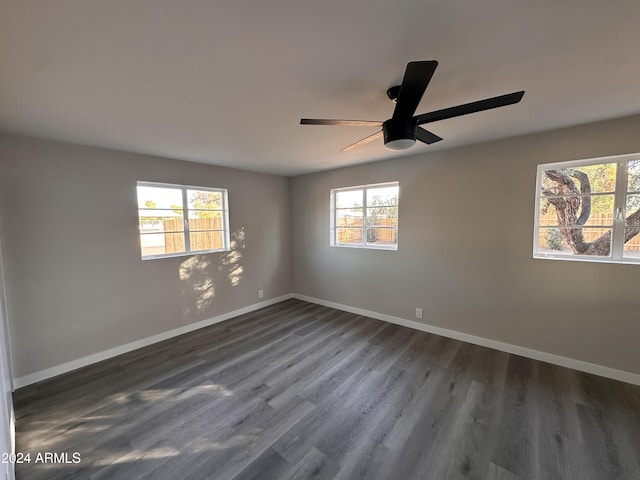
399	134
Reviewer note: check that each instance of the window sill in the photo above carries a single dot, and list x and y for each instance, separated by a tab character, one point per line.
588	259
184	254
392	248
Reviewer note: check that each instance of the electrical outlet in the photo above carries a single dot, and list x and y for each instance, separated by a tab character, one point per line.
419	313
260	293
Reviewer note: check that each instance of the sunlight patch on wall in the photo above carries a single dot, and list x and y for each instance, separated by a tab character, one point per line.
199	289
197	275
231	259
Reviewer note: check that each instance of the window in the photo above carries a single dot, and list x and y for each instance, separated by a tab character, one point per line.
365	216
589	210
177	220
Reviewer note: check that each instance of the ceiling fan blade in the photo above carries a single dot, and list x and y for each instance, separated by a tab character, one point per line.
472	107
359	143
349	123
416	78
426	136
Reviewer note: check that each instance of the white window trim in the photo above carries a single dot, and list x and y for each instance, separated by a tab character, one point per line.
364	245
185	219
617	234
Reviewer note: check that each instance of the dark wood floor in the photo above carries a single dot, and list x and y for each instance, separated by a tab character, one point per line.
298	391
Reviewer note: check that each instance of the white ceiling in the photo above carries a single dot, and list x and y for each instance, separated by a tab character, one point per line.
227	81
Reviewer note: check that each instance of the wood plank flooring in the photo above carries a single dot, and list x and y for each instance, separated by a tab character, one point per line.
300	391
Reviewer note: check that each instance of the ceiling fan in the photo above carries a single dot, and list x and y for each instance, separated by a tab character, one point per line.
403	129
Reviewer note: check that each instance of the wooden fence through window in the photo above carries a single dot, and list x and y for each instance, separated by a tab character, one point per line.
352	231
205	234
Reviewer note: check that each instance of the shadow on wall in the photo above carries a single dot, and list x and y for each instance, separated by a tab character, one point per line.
230	261
197	276
198	286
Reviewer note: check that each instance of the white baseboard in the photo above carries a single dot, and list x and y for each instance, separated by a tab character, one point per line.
580	365
112	352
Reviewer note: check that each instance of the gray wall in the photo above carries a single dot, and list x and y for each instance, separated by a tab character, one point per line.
75	283
465	249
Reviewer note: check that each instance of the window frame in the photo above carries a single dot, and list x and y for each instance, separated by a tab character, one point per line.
186	230
333	228
616	251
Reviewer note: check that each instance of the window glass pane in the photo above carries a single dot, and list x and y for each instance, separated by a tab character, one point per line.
370	210
159	224
382	196
349	199
206	241
160	214
204	200
349	217
585	241
174	224
382	236
159	197
570	208
634	176
632	206
150	225
632	245
161	243
600	178
160	220
349	235
205	220
382	216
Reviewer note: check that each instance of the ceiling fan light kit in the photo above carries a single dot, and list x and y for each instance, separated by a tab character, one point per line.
401	131
399	136
399	144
